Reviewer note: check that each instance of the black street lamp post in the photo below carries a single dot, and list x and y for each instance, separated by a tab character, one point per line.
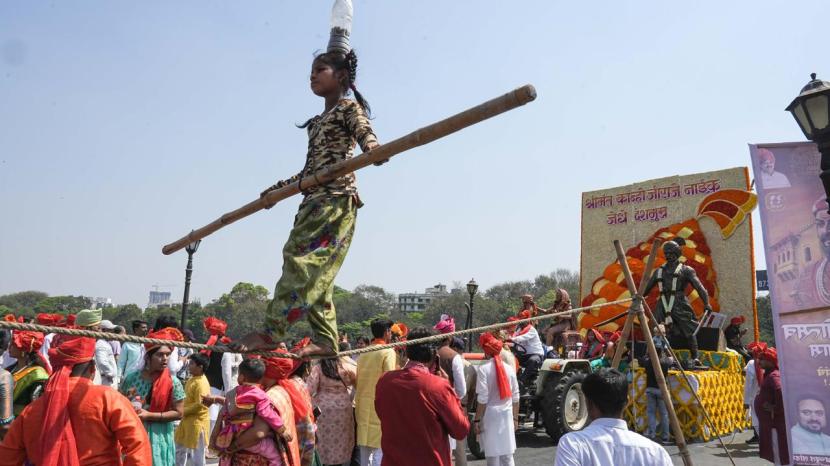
811	110
472	288
191	249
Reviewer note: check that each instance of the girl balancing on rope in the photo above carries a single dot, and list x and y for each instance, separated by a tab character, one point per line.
324	225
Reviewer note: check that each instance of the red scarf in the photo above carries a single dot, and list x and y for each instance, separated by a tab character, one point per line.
162	390
492	347
280	369
56	431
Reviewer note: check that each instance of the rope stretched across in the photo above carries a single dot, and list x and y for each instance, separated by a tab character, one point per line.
225	349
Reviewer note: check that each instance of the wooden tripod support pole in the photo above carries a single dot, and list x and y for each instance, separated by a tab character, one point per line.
629	320
425	135
637	309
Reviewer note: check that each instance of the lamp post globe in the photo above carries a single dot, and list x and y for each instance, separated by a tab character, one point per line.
811	110
472	287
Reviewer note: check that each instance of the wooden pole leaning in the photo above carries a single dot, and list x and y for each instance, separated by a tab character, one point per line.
637	309
425	135
638	295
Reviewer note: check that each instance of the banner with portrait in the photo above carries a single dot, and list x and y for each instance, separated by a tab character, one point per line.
796	228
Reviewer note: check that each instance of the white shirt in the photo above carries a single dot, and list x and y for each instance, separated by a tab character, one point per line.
530	341
459	384
173	362
607	442
230	369
751	390
777	180
47	343
132	358
105	362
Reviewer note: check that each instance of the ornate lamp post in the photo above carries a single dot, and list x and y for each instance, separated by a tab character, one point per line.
191	249
472	288
811	110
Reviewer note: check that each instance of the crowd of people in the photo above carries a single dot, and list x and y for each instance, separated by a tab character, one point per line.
162	405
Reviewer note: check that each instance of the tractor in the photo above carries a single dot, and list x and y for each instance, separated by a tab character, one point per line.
554	401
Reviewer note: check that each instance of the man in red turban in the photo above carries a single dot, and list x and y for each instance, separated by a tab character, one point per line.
734	337
497	413
75	422
769	405
770	179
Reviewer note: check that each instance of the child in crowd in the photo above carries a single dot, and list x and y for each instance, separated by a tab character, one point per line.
192	434
239	412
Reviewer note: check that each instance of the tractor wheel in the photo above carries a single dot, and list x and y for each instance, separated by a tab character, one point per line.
563	404
472	441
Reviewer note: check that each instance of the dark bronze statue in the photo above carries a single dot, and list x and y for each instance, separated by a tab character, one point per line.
673	309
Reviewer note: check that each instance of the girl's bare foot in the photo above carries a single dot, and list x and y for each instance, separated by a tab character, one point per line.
313	350
252	342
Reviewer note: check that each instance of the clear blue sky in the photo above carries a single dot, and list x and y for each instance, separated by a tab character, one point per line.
125	124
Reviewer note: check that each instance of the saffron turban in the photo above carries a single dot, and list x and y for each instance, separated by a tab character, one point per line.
10	318
216	328
48	319
770	354
756	347
492	347
445	325
167	333
280	369
27	341
524	314
737	320
89	317
766	155
56	430
400	329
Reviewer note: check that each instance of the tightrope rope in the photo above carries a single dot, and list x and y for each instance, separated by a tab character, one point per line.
225	349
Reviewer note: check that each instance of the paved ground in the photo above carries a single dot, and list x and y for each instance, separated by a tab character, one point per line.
536	449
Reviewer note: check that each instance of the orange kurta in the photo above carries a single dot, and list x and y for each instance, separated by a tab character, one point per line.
105	426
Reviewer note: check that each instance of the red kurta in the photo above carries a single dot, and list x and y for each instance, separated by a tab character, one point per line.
417	412
771	393
105	426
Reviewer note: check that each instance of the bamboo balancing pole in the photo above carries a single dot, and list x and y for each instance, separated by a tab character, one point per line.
425	135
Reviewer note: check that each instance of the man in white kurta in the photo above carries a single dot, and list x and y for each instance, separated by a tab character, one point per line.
751	389
497	425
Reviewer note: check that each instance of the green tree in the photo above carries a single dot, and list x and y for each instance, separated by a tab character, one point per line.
63	304
765	320
243	308
23	302
123	315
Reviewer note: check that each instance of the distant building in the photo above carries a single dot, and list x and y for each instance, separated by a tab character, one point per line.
159	298
101	303
417	302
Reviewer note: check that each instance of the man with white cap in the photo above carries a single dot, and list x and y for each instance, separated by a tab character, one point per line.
107	369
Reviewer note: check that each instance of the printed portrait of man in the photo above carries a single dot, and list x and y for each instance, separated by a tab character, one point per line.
813	288
808	435
771	179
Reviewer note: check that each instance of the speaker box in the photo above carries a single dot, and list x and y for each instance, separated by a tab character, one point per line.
711	339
